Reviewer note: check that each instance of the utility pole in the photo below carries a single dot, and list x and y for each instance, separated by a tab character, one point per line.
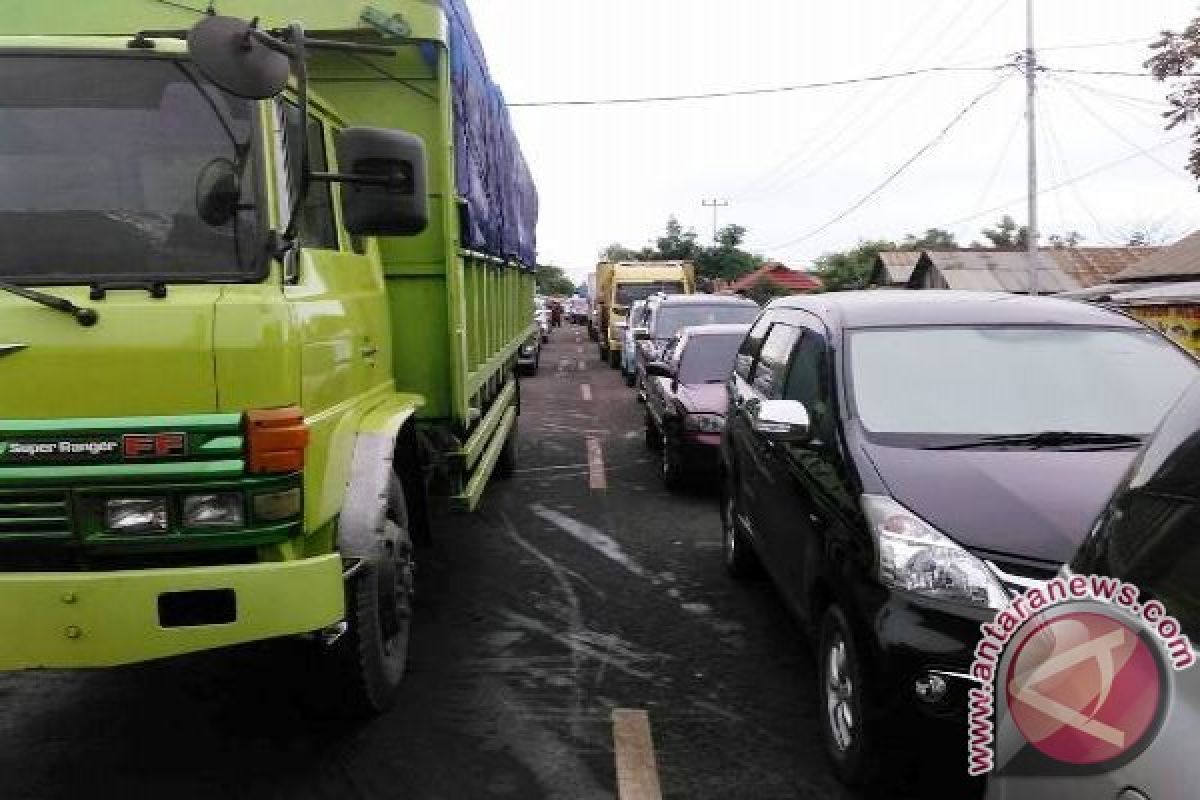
1031	67
715	204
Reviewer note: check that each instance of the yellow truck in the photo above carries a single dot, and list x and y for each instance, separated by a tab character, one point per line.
621	284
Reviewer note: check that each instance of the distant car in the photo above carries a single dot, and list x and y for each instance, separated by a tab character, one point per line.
685	400
1147	536
529	355
578	310
638	315
902	463
671	313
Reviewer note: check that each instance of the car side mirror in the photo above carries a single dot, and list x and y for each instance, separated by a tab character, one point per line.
782	421
383	177
641	334
659	369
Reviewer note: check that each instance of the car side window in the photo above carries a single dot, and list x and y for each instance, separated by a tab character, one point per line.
317	228
743	364
771	369
808	382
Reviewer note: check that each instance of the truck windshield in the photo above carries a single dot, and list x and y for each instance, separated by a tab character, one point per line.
629	293
103	168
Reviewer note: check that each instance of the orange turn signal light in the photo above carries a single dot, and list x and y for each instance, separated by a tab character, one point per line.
275	440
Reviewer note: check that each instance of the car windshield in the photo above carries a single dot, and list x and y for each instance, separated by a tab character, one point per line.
670	319
1014	380
708	358
629	293
101	163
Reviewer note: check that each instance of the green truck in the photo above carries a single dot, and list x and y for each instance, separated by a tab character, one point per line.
262	290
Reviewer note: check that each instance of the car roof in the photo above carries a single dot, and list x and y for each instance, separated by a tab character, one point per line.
715	328
910	307
704	300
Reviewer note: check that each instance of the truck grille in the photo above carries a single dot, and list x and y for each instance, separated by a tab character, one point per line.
35	514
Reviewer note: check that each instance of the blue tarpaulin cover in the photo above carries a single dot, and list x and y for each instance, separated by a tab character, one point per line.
502	203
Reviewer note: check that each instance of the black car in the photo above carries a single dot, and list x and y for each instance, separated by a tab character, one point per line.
685	400
670	314
902	462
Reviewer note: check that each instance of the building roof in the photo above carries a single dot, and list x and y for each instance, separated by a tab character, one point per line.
1179	261
1094	265
791	279
896	265
875	308
992	271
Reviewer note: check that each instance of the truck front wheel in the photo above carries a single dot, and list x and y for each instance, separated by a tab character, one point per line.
370	659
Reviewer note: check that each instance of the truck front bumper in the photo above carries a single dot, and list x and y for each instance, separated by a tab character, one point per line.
101	619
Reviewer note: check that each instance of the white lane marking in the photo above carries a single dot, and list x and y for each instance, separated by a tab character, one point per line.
633	745
596	479
586	391
605	544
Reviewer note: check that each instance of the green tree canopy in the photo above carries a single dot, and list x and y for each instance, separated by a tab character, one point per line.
552	280
726	259
851	269
1175	58
931	239
1007	235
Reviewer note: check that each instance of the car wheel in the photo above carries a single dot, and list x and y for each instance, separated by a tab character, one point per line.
845	728
653	437
369	661
673	474
738	554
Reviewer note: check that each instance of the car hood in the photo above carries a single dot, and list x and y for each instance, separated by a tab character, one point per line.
1037	504
702	398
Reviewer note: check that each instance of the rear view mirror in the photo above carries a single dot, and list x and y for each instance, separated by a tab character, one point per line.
641	334
782	421
658	369
218	192
238	58
383	177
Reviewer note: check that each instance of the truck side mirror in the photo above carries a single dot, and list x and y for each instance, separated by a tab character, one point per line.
383	178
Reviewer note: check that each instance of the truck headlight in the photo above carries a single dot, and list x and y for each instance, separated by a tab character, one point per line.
704	423
136	515
272	506
916	557
217	510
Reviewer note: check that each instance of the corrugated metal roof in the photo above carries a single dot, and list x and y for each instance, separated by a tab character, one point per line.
898	265
1162	294
992	271
1094	265
1181	260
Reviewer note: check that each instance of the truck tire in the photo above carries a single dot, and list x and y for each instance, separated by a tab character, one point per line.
370	659
506	464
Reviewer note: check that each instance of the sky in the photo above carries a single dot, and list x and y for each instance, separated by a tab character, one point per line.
790	164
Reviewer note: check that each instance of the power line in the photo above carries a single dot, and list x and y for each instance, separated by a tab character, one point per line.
1059	152
1096	45
1112	73
1096	90
987	188
898	171
1141	151
751	92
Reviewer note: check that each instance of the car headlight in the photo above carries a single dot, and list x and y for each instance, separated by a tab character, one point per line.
136	515
704	423
916	557
526	349
217	510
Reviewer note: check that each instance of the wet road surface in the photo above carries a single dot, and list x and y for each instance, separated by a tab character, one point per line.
581	586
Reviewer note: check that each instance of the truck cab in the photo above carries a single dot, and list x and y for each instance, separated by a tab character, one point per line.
623	283
245	342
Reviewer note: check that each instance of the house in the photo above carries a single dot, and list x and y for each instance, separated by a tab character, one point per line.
791	281
893	268
1180	262
1060	269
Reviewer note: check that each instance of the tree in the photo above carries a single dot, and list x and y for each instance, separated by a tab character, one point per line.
1007	235
619	252
932	239
552	280
852	268
1176	59
1061	240
727	260
763	290
677	244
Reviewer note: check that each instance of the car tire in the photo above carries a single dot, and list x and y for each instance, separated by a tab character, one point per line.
737	552
653	437
674	473
847	730
369	661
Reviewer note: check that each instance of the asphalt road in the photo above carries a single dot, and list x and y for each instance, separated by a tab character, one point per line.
556	603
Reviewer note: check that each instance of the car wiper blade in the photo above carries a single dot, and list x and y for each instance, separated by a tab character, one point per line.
1045	439
87	317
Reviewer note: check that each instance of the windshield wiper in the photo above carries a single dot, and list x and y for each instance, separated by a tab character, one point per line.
86	317
1045	439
